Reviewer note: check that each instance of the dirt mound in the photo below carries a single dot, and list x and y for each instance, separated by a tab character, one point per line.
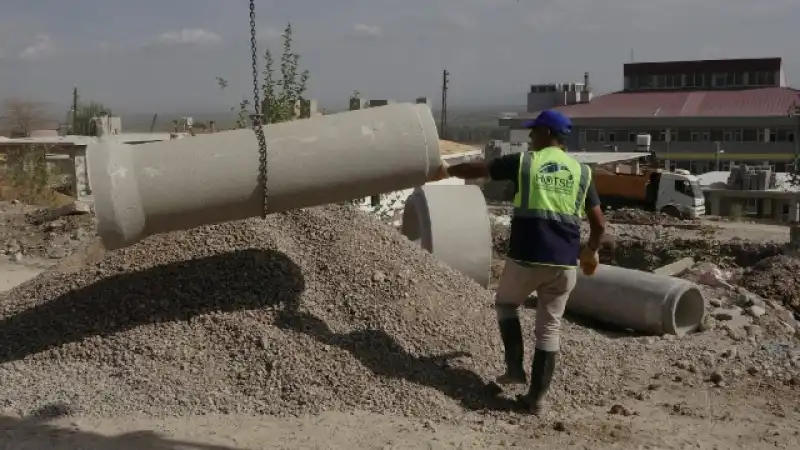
634	216
776	277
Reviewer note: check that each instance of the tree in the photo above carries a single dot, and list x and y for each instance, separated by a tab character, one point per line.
281	96
22	116
84	115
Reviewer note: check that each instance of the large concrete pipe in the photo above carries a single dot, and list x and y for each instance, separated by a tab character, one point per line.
452	223
180	184
639	300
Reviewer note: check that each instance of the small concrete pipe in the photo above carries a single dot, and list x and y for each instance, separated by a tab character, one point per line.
639	300
180	184
452	223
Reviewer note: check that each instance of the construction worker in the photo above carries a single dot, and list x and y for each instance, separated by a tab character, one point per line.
552	193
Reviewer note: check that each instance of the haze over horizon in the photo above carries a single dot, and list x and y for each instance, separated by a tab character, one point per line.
144	56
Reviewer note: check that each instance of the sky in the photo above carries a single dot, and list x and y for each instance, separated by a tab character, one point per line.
155	55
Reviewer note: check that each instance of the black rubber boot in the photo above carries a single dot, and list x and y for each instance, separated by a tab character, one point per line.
511	333
542	369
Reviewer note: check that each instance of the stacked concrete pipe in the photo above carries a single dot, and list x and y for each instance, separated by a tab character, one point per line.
180	184
452	222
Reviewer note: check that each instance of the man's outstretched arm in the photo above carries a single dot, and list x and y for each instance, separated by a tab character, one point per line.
469	170
498	169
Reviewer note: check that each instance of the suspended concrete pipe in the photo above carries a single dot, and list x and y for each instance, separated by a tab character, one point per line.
639	300
180	184
452	223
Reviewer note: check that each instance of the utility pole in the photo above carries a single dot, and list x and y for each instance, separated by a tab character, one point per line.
794	113
443	121
75	110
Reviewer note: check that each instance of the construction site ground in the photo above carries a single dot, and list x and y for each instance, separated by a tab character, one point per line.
323	328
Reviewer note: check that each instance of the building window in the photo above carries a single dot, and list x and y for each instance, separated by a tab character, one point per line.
684	135
718	80
673	81
734	135
672	137
716	135
725	166
734	79
592	136
656	135
750	135
620	136
696	136
601	136
632	136
762	135
773	135
695	80
658	81
785	136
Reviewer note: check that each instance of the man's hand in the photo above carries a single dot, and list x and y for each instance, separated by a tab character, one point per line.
589	259
441	174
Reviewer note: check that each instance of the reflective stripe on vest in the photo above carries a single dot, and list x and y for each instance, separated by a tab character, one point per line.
548	189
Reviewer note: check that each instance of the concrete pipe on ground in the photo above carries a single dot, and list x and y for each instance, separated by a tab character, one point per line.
452	223
639	300
180	184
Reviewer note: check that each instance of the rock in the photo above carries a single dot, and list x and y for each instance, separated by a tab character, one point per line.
726	314
756	311
716	378
750	299
620	410
17	257
715	302
55	225
56	252
74	208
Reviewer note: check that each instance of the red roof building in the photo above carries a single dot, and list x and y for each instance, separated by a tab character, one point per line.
732	111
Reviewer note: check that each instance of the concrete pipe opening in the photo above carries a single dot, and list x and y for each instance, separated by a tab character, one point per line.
686	311
452	223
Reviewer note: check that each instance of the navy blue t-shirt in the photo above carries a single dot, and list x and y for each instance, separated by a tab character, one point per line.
525	242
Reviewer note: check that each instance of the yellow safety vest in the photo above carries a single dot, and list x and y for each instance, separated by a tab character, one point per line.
552	187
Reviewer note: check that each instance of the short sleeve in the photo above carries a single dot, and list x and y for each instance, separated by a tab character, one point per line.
504	168
592	198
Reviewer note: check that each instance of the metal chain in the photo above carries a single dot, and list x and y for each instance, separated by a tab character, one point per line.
258	117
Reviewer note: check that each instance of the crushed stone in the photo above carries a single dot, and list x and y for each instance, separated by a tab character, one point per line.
313	310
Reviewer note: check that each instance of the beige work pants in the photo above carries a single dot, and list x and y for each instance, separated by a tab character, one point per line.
552	285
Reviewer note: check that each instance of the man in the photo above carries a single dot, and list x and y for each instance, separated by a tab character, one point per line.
552	192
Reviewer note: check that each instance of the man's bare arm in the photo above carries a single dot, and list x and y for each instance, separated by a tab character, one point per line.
597	226
469	170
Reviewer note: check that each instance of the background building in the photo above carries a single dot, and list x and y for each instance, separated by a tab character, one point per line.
701	115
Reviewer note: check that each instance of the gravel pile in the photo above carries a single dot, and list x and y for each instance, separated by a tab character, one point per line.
313	310
775	277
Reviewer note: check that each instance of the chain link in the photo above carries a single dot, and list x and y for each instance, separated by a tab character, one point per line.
258	117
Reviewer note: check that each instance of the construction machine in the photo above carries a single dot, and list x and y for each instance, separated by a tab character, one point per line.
676	193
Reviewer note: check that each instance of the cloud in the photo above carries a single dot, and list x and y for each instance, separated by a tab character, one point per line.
42	48
361	29
197	37
268	32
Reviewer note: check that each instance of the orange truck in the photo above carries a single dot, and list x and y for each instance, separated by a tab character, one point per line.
675	193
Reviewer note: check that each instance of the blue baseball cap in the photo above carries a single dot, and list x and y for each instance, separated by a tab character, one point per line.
552	119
